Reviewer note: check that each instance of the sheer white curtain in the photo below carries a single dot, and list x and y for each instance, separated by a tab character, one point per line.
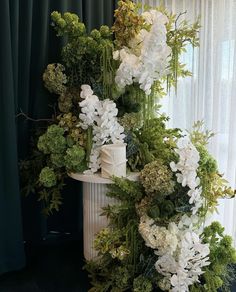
210	94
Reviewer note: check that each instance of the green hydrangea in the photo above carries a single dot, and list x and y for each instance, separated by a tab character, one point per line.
157	178
43	144
54	130
95	34
53	140
207	163
105	31
130	121
65	102
141	284
74	158
57	160
54	78
67	121
222	256
121	276
47	177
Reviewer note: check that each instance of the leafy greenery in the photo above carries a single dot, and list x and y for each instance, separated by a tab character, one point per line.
136	199
47	177
154	141
213	184
87	57
125	263
222	256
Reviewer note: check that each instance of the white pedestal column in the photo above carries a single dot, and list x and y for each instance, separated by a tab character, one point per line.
94	199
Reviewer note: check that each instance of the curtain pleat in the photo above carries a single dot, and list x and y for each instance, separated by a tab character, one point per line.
11	241
28	44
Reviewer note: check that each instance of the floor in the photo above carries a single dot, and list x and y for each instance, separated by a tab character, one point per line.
53	266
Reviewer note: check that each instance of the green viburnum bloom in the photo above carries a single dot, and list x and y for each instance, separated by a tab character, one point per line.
57	159
47	177
65	102
74	158
54	78
105	31
130	121
157	178
43	144
95	34
207	162
141	284
53	140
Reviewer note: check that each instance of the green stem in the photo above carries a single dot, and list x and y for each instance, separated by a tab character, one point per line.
89	143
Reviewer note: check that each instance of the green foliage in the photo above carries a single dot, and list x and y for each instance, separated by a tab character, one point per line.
52	141
127	102
60	145
214	186
120	244
142	284
74	159
180	33
47	177
125	190
207	163
200	136
110	241
87	57
57	160
222	256
154	141
75	134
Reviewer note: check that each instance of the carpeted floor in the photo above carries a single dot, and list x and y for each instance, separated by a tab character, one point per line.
53	266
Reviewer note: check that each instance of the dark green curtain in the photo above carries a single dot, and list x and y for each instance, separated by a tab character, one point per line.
28	44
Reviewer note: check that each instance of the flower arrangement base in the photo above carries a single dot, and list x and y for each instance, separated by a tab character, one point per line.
113	160
94	199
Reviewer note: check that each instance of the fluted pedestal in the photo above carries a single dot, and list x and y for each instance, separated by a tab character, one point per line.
94	199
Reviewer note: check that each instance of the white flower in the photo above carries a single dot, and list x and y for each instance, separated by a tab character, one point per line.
153	15
186	171
102	117
86	91
116	55
159	238
148	56
183	267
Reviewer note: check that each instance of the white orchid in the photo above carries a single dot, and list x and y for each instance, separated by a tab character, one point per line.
102	117
186	171
148	56
183	267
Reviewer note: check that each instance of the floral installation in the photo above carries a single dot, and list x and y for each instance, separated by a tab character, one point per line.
108	85
147	57
101	116
160	227
107	79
